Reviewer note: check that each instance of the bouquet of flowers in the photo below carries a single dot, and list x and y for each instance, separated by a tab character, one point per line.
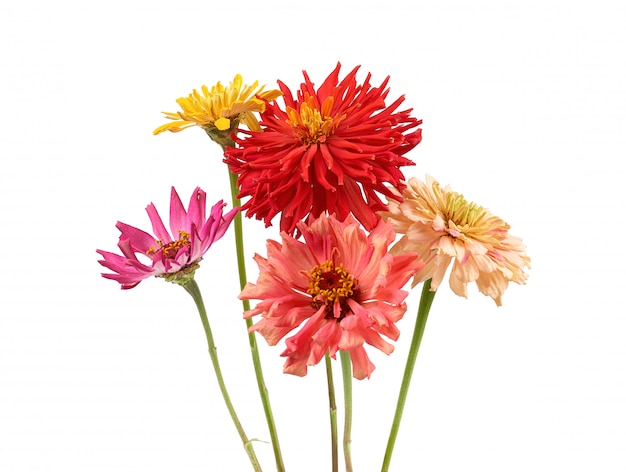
327	162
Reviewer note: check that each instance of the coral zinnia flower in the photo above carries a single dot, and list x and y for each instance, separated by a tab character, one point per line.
174	257
342	284
440	225
221	107
331	150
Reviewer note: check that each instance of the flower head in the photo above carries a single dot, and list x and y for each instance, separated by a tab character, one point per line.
341	284
442	226
221	108
174	256
332	150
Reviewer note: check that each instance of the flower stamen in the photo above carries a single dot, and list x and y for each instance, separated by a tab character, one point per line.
460	216
329	285
312	125
169	250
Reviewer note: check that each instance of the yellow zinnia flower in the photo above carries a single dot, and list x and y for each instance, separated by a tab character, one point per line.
441	225
221	107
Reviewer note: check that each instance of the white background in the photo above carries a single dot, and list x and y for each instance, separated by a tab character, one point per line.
524	112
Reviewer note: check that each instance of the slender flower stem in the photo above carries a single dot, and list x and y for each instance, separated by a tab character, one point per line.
426	301
192	288
346	371
256	360
333	414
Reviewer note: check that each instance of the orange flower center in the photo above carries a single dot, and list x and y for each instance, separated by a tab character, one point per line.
169	250
312	125
330	284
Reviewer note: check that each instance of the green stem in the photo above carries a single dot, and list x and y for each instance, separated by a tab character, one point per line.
192	288
333	414
426	301
346	371
241	265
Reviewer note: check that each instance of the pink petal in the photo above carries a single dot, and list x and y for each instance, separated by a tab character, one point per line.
178	215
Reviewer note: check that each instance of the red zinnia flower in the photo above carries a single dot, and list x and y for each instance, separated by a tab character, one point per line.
340	283
174	257
331	150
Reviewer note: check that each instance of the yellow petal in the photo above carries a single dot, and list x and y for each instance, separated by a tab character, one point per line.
222	123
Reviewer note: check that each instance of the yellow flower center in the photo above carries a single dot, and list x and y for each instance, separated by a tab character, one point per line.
312	125
170	249
330	284
462	217
462	212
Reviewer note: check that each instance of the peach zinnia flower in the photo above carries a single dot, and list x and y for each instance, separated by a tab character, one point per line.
174	256
440	225
221	107
340	284
332	150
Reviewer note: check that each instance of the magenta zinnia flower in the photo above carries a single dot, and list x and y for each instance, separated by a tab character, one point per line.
341	284
332	150
174	256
